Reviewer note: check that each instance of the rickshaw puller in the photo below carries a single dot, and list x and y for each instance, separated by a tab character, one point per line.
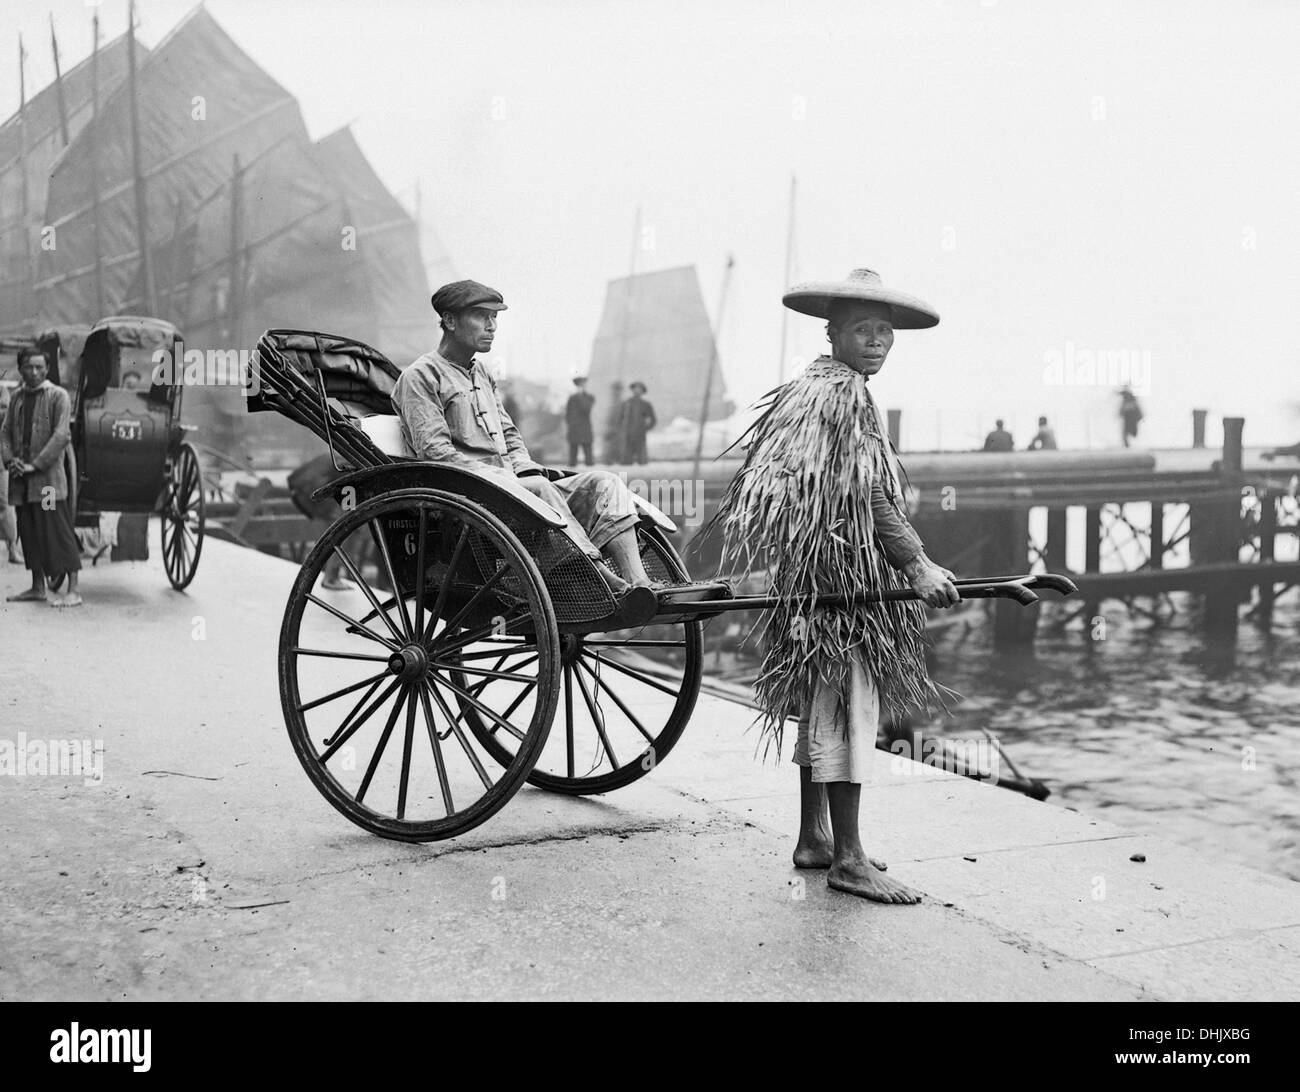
451	412
819	499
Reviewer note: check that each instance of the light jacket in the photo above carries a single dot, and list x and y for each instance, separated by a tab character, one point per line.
51	450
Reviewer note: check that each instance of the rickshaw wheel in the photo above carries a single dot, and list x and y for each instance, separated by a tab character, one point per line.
463	575
615	720
183	512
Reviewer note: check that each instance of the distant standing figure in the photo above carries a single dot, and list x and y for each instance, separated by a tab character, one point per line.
1130	413
577	418
637	418
36	450
613	424
999	439
8	520
1044	439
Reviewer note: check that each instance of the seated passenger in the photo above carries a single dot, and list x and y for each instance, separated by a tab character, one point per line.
451	412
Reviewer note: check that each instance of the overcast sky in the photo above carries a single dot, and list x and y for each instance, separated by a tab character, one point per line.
1055	178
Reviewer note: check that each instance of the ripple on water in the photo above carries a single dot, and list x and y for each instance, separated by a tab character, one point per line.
1155	725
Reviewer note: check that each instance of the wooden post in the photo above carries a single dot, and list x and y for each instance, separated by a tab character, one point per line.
1013	625
1267	545
1057	527
1232	429
1157	534
1092	556
1198	427
895	427
1216	533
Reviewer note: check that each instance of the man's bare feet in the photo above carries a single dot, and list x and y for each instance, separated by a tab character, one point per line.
72	599
863	879
616	584
31	595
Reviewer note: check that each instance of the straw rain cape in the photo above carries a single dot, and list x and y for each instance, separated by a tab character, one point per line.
800	508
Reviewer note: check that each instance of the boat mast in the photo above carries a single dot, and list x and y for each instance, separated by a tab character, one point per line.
789	265
29	269
141	202
713	364
58	85
94	165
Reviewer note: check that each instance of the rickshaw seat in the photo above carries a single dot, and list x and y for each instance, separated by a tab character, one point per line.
385	432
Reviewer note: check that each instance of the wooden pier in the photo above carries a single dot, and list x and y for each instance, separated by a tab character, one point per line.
1150	523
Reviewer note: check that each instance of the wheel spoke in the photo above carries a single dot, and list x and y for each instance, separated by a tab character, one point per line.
406	753
640	676
379	747
487	655
597	718
603	685
647	643
445	587
491	714
473	636
360	628
377	534
436	743
421	529
568	716
507	675
477	690
459	732
339	655
346	731
483	590
375	679
366	590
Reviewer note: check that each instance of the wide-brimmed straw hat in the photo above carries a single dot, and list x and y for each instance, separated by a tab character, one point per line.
816	297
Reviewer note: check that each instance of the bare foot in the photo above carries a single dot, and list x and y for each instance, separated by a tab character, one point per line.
813	852
72	599
868	882
31	595
816	851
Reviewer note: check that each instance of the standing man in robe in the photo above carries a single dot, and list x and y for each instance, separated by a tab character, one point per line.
637	419
818	501
577	420
36	453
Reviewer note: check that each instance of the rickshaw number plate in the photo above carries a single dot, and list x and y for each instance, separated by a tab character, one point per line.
128	430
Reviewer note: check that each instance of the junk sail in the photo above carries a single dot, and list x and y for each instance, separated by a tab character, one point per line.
250	224
655	329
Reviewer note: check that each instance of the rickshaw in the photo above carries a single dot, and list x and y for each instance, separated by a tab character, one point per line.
127	435
419	703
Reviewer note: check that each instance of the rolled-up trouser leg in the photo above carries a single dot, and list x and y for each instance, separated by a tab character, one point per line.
837	730
601	502
546	490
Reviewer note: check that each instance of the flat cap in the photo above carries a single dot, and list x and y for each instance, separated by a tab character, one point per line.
462	294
